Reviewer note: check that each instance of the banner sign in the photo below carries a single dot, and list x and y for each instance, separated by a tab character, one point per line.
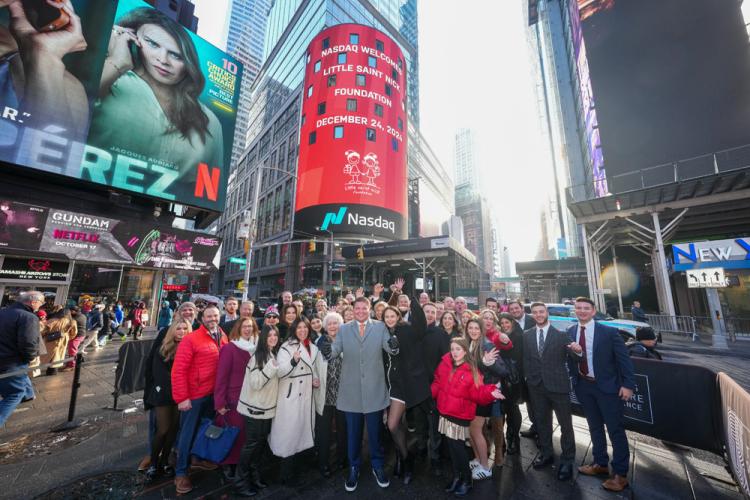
21	225
727	254
670	411
99	119
99	239
352	159
735	408
33	269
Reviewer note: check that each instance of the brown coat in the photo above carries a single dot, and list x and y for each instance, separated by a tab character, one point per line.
56	349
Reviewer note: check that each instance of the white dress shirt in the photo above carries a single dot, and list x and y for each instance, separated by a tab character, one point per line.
522	322
589	344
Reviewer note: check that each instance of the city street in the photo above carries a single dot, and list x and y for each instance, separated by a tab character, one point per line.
102	464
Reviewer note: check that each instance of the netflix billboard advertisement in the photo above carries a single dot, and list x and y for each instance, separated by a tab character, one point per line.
118	94
352	177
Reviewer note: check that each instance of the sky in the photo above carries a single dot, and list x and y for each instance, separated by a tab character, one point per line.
475	73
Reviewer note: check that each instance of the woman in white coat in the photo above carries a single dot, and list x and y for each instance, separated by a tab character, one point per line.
293	428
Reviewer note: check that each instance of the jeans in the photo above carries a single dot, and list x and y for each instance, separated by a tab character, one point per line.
189	422
13	390
354	427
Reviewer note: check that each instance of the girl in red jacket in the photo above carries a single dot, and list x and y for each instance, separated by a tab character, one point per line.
458	389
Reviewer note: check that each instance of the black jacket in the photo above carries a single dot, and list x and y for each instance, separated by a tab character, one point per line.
158	374
107	318
19	335
80	320
94	320
436	343
408	365
638	350
513	392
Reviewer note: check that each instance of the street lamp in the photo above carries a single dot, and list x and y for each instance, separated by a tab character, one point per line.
251	234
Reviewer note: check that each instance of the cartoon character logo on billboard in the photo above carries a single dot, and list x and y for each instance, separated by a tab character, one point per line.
368	168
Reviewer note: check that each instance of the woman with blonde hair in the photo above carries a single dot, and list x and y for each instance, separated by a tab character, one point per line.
59	329
158	395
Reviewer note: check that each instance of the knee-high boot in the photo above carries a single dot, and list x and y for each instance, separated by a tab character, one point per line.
498	436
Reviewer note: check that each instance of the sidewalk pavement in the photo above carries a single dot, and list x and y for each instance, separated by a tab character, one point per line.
658	471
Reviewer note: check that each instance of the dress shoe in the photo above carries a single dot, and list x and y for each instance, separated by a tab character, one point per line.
203	465
462	489
565	472
451	487
531	434
144	464
593	470
183	485
616	483
245	489
540	462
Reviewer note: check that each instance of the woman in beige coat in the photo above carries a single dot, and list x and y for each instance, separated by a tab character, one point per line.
59	329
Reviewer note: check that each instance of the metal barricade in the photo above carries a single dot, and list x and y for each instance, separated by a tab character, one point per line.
738	327
680	325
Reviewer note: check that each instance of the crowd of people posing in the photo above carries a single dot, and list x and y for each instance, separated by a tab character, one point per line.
296	378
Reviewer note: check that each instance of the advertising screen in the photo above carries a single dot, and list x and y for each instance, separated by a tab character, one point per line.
118	94
352	160
671	80
86	237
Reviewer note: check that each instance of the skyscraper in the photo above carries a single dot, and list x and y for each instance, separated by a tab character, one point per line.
272	138
245	35
464	156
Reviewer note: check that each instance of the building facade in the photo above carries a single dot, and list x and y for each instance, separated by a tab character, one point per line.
272	149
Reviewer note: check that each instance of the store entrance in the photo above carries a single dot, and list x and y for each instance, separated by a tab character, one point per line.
10	292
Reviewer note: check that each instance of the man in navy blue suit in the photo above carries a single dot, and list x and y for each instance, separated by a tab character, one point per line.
603	379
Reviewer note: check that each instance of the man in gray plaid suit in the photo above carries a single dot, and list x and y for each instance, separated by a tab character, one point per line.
545	352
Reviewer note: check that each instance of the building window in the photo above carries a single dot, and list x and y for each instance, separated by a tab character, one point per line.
400	124
379	110
379	45
394	144
394	74
321	108
400	64
372	62
309	91
387	89
361	80
312	138
351	105
342	58
331	80
316	68
353	38
371	134
338	131
326	43
303	120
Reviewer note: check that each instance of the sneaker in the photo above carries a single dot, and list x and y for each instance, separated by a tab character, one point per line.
473	464
479	473
381	478
352	480
151	474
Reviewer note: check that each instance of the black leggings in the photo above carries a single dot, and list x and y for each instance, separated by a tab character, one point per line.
459	458
167	422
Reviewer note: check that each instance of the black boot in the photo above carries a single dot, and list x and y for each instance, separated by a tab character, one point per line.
229	472
255	479
243	488
398	468
451	487
408	469
512	440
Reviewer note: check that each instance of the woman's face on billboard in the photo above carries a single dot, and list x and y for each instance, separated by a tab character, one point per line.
161	55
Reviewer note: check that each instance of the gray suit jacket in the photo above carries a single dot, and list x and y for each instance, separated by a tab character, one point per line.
549	368
362	388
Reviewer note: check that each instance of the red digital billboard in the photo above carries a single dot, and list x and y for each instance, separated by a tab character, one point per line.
352	175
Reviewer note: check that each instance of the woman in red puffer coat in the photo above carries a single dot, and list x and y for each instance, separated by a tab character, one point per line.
458	389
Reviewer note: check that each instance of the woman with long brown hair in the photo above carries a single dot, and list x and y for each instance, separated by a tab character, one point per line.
59	329
288	315
449	324
458	388
158	395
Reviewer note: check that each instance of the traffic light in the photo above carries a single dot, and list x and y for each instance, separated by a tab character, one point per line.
311	247
361	253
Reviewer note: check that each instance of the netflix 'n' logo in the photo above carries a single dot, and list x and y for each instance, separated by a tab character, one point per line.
207	183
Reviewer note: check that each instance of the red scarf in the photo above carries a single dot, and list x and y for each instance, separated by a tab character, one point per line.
306	343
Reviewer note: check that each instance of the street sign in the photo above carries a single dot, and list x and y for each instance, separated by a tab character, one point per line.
237	260
243	228
712	277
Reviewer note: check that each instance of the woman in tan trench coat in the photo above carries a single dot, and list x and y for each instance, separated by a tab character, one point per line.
58	331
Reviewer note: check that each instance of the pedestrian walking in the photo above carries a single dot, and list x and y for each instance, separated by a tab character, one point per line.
139	320
19	345
458	388
94	321
546	356
58	331
603	378
165	315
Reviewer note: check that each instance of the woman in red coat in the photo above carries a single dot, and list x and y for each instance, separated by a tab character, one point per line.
233	360
458	389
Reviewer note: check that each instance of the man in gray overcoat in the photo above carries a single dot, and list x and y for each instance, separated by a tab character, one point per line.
363	394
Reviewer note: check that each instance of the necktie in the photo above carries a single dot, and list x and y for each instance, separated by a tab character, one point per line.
362	329
541	340
584	364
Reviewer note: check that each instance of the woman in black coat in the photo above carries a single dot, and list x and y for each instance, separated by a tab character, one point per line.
157	395
406	376
514	389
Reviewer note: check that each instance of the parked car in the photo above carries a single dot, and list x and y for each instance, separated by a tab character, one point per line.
562	316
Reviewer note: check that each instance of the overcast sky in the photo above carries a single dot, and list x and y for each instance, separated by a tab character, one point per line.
474	72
